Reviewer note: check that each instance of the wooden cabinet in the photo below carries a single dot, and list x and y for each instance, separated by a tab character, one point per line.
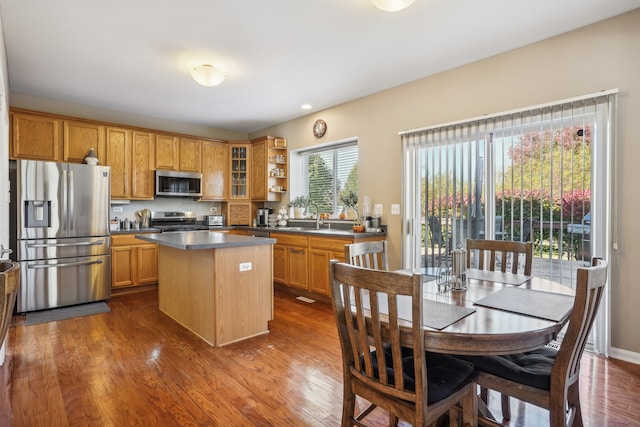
239	167
322	250
80	137
142	166
133	262
167	152
35	137
119	159
268	168
290	259
302	261
240	213
215	170
190	155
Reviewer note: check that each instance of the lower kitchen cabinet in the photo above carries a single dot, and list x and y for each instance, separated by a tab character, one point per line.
290	259
302	261
133	262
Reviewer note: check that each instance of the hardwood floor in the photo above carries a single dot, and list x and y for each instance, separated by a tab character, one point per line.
135	366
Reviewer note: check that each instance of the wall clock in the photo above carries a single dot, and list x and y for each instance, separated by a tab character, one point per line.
319	128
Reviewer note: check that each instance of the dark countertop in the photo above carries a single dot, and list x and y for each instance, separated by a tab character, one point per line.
327	232
203	239
138	231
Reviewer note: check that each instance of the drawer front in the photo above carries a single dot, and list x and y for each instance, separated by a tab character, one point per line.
126	240
297	240
329	244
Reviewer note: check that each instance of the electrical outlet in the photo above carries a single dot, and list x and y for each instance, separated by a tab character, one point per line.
377	209
118	209
395	209
245	266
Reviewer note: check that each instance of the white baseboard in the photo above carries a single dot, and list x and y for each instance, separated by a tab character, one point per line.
625	355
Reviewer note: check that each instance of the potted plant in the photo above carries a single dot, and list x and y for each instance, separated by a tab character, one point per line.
299	204
350	201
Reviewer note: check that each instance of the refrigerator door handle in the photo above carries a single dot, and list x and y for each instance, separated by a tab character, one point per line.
64	264
64	200
72	218
58	245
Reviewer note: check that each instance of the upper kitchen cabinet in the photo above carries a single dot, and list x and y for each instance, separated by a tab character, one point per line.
167	152
35	137
268	168
240	158
119	159
215	170
79	138
130	155
190	157
142	168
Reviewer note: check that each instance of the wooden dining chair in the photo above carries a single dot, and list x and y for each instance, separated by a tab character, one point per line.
547	377
490	254
379	317
367	254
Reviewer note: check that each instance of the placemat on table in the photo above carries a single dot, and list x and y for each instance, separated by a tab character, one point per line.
439	315
545	305
497	276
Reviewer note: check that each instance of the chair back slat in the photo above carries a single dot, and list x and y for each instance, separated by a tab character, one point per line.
502	253
372	255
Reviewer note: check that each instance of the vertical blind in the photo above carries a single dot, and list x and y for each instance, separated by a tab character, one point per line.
519	175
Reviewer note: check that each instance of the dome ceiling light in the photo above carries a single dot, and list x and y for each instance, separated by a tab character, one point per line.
207	75
392	5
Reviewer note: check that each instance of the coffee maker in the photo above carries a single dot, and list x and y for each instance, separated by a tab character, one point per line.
262	216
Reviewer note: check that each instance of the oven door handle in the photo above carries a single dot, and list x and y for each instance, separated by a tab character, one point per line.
64	264
59	245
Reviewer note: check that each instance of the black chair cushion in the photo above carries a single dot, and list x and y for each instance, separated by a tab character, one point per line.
532	368
446	374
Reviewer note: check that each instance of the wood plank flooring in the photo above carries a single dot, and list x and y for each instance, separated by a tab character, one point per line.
135	366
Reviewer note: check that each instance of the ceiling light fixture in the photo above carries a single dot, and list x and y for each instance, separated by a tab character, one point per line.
392	5
306	106
207	75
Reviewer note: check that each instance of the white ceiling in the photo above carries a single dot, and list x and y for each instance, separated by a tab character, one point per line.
135	56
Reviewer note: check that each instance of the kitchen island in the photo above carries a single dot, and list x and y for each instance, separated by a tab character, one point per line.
217	285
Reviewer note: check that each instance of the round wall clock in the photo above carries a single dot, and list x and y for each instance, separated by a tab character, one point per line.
319	128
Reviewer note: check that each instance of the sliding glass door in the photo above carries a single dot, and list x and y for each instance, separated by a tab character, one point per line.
540	174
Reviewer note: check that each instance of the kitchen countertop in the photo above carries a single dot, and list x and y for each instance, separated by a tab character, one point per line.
138	231
203	239
314	231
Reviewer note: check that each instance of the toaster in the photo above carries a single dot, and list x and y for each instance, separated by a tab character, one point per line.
214	220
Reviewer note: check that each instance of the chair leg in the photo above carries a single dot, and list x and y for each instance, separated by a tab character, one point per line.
506	407
348	407
573	398
470	408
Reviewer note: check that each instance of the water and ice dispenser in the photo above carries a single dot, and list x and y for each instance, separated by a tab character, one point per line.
37	213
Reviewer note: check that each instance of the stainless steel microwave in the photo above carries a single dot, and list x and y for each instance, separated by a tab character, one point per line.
180	184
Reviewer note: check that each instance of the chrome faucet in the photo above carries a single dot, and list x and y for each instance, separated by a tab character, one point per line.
318	222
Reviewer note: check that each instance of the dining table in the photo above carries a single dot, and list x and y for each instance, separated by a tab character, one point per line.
497	313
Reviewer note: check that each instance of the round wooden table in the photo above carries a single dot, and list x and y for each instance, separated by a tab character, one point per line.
490	331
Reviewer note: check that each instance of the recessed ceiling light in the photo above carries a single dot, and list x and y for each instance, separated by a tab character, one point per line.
306	106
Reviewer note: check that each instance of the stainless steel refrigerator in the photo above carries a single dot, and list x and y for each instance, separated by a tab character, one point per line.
62	232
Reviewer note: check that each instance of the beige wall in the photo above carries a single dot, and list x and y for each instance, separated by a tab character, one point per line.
597	57
600	56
